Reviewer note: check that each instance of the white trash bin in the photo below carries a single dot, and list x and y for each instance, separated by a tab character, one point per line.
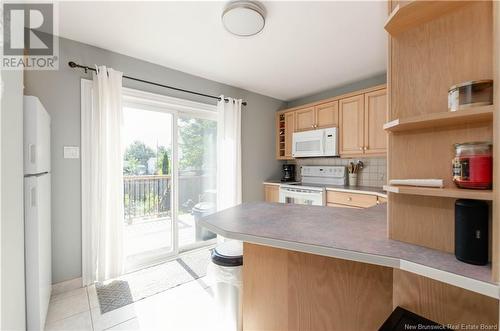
226	271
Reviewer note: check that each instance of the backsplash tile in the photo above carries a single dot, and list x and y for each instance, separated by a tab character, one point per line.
374	172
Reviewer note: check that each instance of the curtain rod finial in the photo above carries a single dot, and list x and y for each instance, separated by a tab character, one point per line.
72	64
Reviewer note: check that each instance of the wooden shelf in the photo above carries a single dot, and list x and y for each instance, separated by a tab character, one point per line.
453	192
445	119
417	12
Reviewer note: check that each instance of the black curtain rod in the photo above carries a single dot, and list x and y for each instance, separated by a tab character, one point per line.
76	65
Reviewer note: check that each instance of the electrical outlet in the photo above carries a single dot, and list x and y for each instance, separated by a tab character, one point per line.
71	152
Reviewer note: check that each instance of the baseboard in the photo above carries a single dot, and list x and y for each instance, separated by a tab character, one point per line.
66	286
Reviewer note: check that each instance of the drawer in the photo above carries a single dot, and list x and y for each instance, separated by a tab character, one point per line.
351	199
342	206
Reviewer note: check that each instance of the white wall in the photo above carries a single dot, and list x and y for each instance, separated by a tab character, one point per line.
12	211
59	91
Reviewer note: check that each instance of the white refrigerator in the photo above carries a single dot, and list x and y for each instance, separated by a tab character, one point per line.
37	215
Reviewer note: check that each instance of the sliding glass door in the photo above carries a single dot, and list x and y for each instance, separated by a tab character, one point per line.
169	180
197	188
149	229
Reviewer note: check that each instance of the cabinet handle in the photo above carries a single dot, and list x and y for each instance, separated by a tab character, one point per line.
365	148
361	148
349	199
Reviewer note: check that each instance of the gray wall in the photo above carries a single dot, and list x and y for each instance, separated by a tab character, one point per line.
359	85
12	209
59	91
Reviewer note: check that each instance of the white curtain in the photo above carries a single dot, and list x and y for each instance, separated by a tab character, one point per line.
102	182
228	153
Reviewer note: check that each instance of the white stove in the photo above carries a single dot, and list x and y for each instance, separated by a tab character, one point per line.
312	191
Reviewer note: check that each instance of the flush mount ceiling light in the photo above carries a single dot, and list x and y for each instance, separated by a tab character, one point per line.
244	18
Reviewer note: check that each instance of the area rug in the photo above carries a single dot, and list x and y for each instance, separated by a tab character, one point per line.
144	283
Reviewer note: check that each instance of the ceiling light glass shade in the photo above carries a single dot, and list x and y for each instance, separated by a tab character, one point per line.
244	18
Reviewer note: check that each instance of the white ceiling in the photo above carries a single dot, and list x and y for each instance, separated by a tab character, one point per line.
305	47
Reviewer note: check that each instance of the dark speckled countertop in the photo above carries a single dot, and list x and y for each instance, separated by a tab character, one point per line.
353	234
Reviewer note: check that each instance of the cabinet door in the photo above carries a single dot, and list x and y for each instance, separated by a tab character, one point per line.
351	125
304	119
327	115
375	117
271	193
289	130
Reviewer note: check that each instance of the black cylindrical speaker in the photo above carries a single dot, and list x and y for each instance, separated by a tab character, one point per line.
471	231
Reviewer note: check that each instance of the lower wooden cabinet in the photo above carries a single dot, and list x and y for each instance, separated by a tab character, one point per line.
271	193
333	198
352	200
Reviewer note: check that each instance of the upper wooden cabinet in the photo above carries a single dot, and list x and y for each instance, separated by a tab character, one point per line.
352	119
289	130
375	118
305	119
327	115
360	117
285	126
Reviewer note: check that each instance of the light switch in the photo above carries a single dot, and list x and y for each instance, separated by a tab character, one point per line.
71	152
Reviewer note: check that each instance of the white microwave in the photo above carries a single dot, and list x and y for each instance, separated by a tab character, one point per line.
314	143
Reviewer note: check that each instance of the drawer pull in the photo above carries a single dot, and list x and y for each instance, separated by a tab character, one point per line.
349	199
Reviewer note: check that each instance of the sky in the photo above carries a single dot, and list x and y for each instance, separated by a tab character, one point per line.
151	127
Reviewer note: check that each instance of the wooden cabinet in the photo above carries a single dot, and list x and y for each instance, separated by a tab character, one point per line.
271	193
359	116
285	126
362	118
351	139
305	119
289	130
327	115
352	200
375	118
324	115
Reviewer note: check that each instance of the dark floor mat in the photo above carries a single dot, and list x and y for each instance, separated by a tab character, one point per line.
113	295
146	282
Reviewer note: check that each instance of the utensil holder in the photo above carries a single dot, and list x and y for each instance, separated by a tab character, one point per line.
353	179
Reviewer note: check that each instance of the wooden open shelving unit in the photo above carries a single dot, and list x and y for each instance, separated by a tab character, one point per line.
441	120
455	193
410	14
434	45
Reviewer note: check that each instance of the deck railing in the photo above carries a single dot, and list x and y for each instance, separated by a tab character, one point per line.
146	196
149	196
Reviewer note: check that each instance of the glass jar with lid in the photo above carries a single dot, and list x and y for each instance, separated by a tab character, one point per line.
473	165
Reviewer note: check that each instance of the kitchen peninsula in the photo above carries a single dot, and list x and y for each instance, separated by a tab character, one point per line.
318	268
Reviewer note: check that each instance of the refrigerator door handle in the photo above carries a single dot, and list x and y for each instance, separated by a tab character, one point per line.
32	153
33	197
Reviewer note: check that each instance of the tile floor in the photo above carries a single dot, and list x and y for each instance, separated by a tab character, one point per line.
189	306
